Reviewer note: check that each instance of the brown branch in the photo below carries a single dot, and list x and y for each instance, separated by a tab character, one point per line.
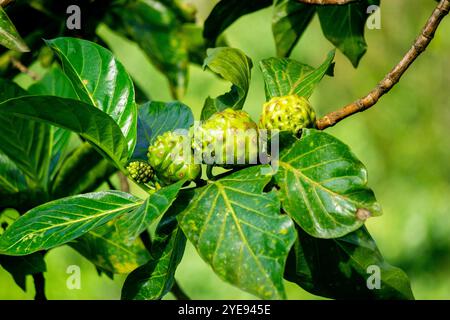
393	77
4	3
326	2
124	185
22	68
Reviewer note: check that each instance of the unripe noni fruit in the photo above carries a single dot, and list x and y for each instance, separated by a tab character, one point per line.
140	171
227	138
172	159
288	113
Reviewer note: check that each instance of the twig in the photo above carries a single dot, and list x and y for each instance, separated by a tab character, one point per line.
393	77
39	284
4	3
124	185
18	65
178	292
326	2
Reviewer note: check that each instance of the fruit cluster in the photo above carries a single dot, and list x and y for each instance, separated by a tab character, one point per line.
228	138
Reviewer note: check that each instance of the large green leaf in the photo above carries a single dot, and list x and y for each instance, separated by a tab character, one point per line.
284	76
290	20
239	231
21	267
86	159
86	120
60	221
9	37
108	250
134	223
344	27
155	118
55	83
228	11
155	28
232	65
155	279
324	186
100	80
341	268
25	142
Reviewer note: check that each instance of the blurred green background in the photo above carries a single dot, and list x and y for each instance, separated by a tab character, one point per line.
403	141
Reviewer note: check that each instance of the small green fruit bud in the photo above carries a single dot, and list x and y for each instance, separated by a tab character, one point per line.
140	171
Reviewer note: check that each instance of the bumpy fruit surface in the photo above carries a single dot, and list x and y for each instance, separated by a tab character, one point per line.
288	113
227	138
140	171
172	159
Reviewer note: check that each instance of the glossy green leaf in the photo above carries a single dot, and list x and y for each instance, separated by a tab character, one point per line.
155	28
345	268
324	186
60	221
344	27
86	120
155	279
55	83
21	267
239	231
228	11
9	37
109	251
284	76
134	223
232	65
290	19
25	142
101	80
86	159
155	118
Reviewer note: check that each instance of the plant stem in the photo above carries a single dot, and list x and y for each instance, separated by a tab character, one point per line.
22	68
393	77
39	284
178	292
124	185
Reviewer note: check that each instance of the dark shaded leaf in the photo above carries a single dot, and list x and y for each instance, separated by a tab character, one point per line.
324	186
344	26
55	83
341	268
226	12
21	267
86	120
155	28
25	142
86	159
290	20
155	279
